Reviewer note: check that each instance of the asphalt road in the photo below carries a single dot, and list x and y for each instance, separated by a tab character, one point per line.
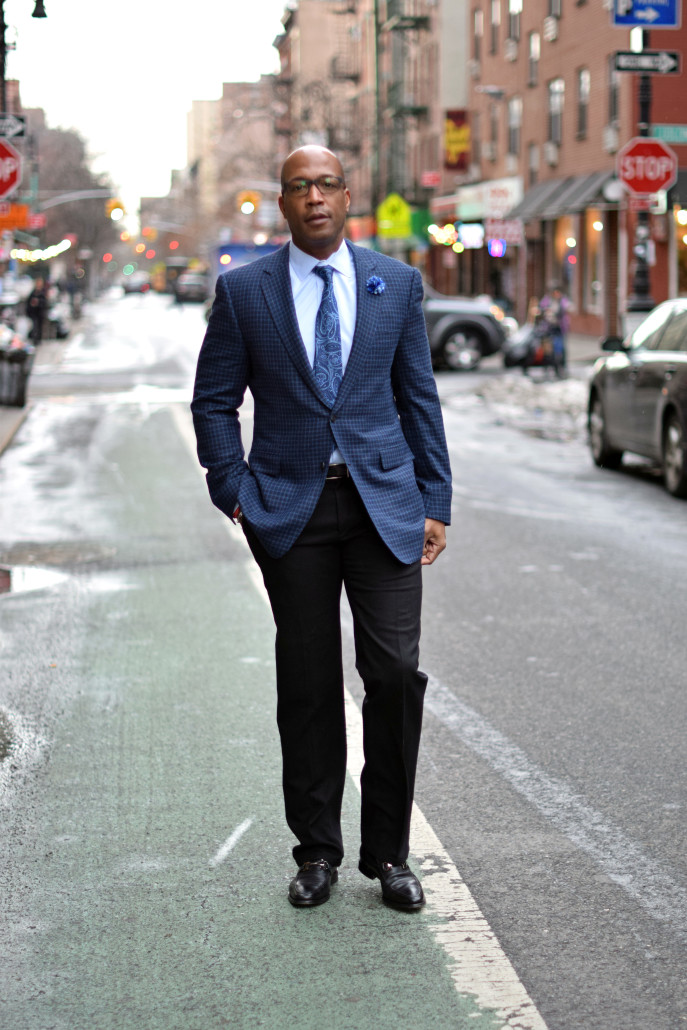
144	860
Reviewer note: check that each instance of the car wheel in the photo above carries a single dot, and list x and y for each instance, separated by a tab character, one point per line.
603	454
461	349
674	463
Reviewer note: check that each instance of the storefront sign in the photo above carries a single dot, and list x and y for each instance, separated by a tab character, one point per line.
456	141
508	229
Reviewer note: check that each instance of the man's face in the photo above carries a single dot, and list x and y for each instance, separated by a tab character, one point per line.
316	221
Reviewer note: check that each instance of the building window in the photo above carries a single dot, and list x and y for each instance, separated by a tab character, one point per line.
534	54
584	80
514	125
556	98
493	129
593	264
478	32
495	25
555	8
613	92
476	137
514	13
533	164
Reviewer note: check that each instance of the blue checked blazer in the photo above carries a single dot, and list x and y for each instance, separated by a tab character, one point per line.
386	420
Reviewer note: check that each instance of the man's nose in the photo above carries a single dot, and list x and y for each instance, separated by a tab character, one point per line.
318	194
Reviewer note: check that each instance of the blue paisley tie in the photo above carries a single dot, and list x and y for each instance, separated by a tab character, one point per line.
328	366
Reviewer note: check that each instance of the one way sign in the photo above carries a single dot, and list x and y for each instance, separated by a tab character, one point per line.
663	62
11	125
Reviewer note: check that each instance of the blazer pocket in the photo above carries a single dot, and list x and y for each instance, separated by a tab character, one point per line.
393	454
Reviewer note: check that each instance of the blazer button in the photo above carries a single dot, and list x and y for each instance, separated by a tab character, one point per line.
333	418
323	465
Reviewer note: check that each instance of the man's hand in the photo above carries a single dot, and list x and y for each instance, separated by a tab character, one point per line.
435	540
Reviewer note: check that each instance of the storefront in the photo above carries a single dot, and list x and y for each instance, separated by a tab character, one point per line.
572	238
465	257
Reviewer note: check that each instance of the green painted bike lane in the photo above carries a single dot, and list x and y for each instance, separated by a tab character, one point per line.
151	892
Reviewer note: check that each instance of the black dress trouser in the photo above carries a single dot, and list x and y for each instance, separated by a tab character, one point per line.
340	546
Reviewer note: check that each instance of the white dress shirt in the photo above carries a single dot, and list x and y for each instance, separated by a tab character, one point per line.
307	291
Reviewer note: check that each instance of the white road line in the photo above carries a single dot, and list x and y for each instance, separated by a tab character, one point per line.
615	853
478	965
230	842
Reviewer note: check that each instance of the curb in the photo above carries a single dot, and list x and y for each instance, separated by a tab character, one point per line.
11	420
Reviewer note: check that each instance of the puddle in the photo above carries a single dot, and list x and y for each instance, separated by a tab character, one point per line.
19	579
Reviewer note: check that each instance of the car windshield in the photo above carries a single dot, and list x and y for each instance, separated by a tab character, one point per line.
647	333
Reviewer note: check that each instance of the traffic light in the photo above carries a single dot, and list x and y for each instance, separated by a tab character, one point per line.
114	209
248	201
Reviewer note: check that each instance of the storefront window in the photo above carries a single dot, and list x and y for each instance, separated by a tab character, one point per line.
566	256
593	265
681	247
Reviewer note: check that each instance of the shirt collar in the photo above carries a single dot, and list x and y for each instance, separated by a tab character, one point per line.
302	264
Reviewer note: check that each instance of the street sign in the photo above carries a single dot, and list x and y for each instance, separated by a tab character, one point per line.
663	62
647	165
11	125
670	133
645	14
10	168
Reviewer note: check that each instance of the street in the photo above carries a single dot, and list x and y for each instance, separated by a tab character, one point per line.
144	859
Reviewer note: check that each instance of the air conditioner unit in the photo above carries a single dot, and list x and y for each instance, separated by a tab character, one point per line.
609	138
474	68
550	29
511	164
489	151
510	50
551	153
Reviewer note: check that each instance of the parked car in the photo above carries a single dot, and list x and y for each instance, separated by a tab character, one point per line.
638	396
462	330
137	282
191	286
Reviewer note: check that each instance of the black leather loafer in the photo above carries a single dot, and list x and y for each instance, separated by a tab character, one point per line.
400	886
311	884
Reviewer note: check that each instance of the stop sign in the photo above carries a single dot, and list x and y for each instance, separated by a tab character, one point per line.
10	168
647	165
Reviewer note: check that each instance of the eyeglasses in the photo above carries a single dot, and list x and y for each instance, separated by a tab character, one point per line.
326	184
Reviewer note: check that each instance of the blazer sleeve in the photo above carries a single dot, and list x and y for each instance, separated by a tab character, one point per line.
419	409
220	386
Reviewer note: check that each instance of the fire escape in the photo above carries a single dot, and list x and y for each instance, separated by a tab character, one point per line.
344	76
405	88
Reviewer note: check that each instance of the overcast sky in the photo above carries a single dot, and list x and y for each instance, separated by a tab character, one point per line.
124	73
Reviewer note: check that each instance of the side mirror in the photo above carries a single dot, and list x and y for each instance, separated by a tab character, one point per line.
612	343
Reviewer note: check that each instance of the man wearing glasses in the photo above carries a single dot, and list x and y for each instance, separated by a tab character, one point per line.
347	484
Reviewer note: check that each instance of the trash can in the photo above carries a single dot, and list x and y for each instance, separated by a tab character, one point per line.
15	368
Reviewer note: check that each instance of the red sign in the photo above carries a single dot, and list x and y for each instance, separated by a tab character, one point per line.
430	180
10	168
456	141
647	165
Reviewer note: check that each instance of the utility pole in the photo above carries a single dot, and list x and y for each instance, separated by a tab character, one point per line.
641	299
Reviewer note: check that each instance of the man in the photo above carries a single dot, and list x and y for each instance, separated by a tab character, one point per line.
347	483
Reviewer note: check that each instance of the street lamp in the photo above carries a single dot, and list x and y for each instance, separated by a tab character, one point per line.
38	12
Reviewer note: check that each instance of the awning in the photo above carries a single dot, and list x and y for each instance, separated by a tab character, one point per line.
556	197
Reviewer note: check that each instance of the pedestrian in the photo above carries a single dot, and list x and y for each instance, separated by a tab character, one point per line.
36	308
554	308
347	484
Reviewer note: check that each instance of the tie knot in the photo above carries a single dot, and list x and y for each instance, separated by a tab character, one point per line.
325	272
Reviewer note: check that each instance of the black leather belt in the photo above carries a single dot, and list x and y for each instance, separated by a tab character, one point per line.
338	472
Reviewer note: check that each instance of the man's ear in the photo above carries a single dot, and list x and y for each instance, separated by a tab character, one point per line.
280	201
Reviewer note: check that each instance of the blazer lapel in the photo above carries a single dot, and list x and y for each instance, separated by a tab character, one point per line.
366	318
276	286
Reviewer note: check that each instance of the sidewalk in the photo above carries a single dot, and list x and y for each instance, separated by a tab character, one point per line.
48	353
